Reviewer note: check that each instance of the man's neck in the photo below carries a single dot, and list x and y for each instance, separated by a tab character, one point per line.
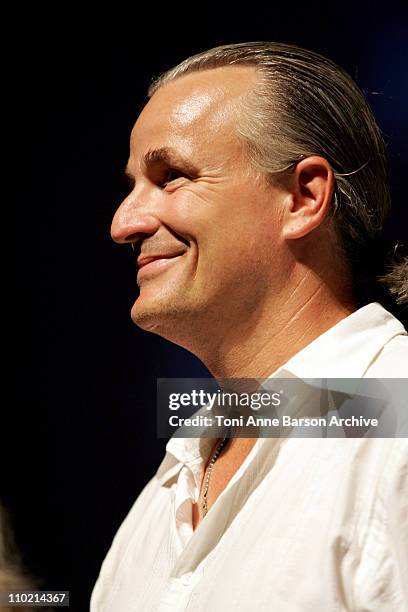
256	350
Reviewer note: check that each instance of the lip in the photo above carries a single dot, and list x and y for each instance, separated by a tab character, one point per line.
151	265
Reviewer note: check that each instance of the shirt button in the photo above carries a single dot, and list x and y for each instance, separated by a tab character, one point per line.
186	578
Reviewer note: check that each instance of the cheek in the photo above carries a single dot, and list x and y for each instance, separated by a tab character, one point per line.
242	233
185	214
237	253
228	230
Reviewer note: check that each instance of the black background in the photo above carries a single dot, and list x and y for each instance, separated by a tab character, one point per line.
79	440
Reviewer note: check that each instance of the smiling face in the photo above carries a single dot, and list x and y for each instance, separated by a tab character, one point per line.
205	229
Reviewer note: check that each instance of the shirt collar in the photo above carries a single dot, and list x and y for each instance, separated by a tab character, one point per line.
346	350
183	451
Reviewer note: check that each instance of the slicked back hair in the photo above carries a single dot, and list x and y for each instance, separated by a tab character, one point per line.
303	104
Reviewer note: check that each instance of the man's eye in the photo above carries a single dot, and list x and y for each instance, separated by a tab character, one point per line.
171	175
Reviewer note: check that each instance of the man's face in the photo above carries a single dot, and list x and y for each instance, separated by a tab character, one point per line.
206	231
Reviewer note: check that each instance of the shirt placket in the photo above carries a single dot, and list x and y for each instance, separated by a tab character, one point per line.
179	588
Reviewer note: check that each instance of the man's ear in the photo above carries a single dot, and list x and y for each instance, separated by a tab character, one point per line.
309	199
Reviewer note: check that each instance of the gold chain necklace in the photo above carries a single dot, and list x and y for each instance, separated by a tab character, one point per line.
213	459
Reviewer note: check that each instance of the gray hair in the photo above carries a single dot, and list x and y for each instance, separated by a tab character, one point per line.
303	104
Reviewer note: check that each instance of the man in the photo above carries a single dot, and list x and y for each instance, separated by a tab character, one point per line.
259	191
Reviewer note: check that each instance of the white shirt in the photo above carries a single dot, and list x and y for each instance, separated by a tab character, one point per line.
305	524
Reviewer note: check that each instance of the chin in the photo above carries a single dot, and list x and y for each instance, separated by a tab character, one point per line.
159	314
175	317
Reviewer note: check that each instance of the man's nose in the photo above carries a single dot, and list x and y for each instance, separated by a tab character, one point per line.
132	221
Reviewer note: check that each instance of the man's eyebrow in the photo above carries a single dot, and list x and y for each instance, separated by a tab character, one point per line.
164	155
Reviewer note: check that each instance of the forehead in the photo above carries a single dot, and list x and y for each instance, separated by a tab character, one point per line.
195	111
